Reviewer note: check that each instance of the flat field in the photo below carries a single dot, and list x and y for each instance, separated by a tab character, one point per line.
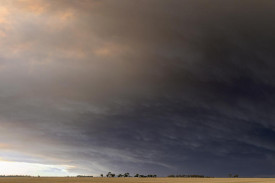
135	180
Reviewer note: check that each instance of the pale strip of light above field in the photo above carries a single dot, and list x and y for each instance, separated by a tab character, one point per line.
33	169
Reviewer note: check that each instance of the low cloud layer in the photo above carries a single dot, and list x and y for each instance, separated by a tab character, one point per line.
161	87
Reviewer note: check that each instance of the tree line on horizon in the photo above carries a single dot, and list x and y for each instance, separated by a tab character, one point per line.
190	176
110	174
201	176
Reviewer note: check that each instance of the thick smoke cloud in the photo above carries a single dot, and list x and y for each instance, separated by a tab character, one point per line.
159	87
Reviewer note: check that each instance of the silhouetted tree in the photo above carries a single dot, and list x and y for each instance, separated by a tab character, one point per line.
101	175
120	175
127	175
110	174
137	175
236	175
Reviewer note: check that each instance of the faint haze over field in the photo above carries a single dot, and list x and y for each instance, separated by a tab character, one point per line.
151	87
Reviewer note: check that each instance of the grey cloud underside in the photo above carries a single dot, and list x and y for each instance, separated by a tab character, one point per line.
191	90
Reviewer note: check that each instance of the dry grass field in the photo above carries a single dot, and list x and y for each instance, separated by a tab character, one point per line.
136	180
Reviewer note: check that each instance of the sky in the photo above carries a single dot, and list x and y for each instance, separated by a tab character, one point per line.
150	87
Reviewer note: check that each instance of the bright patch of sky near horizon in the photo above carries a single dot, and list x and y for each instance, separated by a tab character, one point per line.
33	169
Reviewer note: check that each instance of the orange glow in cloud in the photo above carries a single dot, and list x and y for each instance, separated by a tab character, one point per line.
109	49
4	12
4	146
67	15
4	20
36	7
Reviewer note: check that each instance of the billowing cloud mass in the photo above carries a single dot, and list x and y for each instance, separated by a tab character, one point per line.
150	87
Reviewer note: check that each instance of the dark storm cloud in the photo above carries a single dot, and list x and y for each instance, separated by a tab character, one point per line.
139	86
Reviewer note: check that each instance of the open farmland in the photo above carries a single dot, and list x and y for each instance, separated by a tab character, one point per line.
136	180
